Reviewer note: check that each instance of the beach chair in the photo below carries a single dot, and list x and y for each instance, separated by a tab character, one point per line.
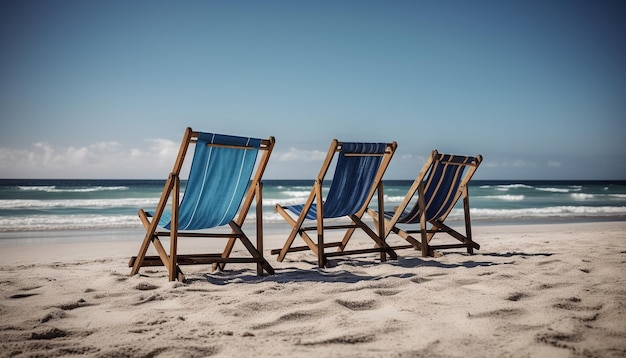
222	184
358	175
438	186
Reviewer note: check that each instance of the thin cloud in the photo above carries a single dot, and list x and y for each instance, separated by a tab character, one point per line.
520	163
102	159
524	164
412	157
510	164
293	154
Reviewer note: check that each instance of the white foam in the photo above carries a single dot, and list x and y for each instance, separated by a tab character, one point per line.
506	197
53	189
582	196
37	188
92	221
554	190
78	203
513	186
292	201
553	211
67	222
297	194
394	199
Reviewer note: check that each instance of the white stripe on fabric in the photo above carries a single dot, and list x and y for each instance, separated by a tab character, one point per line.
199	197
232	197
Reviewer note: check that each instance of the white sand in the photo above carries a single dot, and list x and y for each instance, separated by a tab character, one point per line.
531	291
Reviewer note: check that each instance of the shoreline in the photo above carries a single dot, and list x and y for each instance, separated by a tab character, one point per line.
276	228
97	244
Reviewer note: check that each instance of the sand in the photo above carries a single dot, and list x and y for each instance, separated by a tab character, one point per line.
554	290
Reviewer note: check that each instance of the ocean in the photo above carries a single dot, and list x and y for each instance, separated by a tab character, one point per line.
28	207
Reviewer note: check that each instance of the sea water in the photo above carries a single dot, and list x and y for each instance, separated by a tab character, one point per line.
29	206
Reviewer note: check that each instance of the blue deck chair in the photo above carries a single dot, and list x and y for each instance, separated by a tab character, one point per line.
222	182
438	186
358	175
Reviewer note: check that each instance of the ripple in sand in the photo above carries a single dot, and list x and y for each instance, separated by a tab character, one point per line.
501	313
183	351
559	340
386	292
150	298
145	287
289	317
354	339
49	334
574	304
516	296
73	305
465	282
58	314
548	262
22	295
420	279
358	305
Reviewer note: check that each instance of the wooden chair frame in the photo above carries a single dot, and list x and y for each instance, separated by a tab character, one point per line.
173	260
436	226
316	198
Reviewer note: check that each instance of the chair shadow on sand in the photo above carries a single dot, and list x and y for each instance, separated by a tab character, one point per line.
335	272
520	254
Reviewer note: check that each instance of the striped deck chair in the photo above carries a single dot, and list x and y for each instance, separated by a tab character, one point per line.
222	182
439	185
358	175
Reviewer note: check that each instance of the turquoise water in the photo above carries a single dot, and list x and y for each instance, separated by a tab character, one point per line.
61	205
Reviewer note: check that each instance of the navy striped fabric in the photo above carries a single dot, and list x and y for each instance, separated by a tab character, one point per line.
441	186
352	182
217	183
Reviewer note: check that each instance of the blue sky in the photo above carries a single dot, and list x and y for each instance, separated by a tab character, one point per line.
104	89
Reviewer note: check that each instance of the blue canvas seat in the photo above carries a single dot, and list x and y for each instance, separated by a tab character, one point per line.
358	175
220	190
442	181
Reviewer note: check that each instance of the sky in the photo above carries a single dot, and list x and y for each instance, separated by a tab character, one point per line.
105	89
